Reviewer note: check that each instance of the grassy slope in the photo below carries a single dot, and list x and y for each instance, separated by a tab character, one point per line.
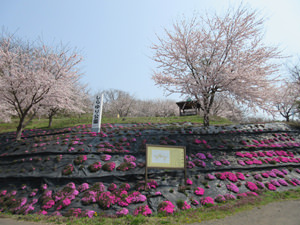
61	122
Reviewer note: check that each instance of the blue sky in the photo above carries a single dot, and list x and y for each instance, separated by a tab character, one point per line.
114	36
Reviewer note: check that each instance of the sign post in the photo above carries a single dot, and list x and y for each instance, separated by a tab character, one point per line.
96	122
165	157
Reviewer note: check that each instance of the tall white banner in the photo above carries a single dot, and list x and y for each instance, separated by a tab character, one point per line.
96	122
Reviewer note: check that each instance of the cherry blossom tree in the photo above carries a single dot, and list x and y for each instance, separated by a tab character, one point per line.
226	107
155	108
118	102
75	100
31	76
210	54
286	99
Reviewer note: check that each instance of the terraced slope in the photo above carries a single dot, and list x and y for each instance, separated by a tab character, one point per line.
77	172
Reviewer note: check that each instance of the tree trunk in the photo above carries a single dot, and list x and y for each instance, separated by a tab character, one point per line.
287	118
50	121
206	119
20	129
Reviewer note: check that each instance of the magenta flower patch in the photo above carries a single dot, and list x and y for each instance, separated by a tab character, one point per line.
166	207
199	191
251	186
110	166
95	167
68	169
143	210
232	187
207	201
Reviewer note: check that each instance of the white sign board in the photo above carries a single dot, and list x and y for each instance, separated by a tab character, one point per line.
96	122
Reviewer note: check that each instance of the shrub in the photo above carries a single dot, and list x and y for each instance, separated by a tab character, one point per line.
142	210
166	207
95	167
68	170
110	166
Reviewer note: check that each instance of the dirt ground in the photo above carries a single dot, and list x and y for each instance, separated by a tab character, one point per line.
277	213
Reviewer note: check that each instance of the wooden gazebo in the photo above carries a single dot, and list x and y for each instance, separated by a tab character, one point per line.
188	108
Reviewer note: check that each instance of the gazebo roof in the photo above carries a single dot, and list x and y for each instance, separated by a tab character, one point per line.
189	104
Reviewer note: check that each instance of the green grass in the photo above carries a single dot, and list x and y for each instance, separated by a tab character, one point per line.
62	122
218	211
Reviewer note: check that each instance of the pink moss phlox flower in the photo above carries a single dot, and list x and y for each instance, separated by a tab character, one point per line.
197	141
199	191
129	158
47	193
232	187
124	186
33	193
275	183
271	187
112	187
106	157
42	212
282	182
106	200
251	186
166	207
68	169
201	155
225	162
241	195
265	175
143	210
3	193
185	206
295	181
240	176
110	166
241	162
189	182
272	174
251	194
89	213
83	187
194	202
231	176
209	155
207	200
190	165
122	212
229	197
158	193
199	163
220	199
49	204
239	154
210	177
44	186
152	184
248	162
71	149
221	176
74	212
217	163
89	197
257	162
136	197
260	185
